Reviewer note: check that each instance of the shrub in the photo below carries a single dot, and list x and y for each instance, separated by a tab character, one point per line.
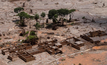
32	33
43	14
31	37
36	17
83	17
37	25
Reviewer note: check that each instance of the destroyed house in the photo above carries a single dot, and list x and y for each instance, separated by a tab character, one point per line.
76	43
94	37
25	56
52	47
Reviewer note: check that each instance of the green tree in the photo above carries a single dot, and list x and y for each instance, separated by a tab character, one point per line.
43	15
62	13
72	10
22	16
55	18
32	33
37	17
32	39
37	25
53	14
18	9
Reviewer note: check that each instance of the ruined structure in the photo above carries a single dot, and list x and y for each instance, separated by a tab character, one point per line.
74	42
25	56
17	51
52	47
94	37
26	52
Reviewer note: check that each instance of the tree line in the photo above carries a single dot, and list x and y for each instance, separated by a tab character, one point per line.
52	14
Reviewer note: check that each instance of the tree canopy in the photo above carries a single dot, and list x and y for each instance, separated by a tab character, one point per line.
72	10
52	13
36	16
32	39
32	33
18	9
63	12
37	25
23	15
43	14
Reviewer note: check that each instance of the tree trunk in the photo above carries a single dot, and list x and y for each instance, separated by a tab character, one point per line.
54	20
22	23
47	20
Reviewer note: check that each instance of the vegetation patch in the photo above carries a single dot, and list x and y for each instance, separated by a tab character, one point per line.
37	25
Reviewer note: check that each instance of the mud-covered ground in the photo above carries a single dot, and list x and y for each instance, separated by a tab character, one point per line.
91	9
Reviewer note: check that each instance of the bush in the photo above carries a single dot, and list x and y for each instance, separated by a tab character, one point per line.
32	33
30	37
83	17
43	14
36	17
37	25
